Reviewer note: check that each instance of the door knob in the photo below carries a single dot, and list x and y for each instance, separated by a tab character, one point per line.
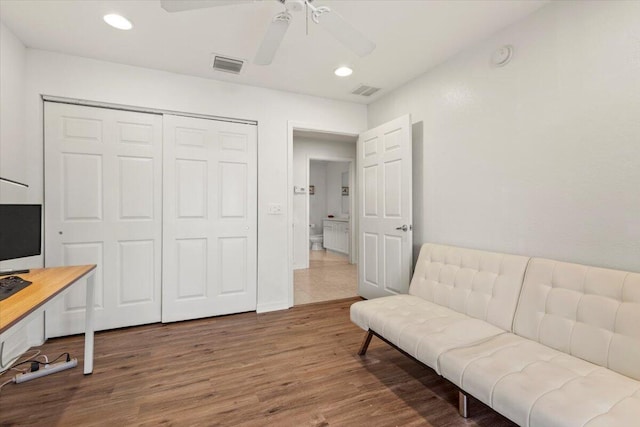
403	228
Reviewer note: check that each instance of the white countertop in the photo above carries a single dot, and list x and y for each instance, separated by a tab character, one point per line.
337	219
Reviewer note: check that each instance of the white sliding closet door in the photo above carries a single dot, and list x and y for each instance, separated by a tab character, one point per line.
103	201
210	218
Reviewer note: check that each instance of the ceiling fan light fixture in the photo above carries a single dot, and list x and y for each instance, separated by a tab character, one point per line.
343	71
118	21
294	5
344	32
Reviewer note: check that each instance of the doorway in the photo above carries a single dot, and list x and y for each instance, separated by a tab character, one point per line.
323	251
324	270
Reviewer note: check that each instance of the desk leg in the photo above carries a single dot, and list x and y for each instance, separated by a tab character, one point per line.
88	329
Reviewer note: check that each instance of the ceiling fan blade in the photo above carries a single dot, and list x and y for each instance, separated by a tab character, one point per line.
272	39
181	5
345	33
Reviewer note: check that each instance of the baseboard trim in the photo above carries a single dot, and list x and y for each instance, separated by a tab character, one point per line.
273	306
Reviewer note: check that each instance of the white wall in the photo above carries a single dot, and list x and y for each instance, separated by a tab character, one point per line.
13	165
74	77
12	107
541	157
304	149
317	201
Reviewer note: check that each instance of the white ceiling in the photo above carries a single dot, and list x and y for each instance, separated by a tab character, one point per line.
411	37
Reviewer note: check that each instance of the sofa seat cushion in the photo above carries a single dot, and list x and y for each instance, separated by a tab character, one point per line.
623	413
535	385
421	328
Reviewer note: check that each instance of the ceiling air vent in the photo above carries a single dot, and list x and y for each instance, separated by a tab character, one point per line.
365	90
226	64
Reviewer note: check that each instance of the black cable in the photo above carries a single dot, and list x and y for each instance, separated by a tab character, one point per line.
42	363
63	354
28	361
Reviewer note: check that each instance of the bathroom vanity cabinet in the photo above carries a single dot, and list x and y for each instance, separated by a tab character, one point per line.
336	235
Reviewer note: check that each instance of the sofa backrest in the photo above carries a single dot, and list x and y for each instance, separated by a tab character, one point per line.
480	284
591	313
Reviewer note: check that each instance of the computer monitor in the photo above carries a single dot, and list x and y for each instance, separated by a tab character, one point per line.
20	231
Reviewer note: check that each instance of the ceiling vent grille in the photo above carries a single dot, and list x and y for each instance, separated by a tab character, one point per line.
228	65
364	90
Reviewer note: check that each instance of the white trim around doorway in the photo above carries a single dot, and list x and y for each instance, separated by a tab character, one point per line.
313	127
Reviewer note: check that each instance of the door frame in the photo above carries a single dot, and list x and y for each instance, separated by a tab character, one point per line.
313	127
352	195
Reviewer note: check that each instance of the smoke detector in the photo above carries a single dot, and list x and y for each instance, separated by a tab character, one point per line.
502	56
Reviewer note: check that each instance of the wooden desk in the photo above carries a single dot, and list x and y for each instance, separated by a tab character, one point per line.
23	306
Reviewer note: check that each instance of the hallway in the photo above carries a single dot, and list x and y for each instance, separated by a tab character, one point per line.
329	277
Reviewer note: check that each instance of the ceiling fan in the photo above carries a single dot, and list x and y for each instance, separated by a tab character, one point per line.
322	15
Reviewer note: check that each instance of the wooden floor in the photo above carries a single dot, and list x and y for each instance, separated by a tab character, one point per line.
290	368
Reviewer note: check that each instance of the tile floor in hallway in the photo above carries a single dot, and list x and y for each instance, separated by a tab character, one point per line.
329	277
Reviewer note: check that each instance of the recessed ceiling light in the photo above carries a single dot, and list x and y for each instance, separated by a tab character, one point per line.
118	21
343	71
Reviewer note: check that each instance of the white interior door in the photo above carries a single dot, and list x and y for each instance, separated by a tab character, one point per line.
385	233
103	205
210	218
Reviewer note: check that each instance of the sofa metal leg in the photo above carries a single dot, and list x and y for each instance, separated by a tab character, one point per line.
365	343
463	404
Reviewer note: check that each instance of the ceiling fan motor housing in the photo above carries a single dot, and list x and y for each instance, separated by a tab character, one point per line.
294	5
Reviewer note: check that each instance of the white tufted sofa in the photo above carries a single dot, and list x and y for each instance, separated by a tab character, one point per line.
543	342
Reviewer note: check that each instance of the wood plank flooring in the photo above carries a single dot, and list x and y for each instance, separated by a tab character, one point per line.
289	368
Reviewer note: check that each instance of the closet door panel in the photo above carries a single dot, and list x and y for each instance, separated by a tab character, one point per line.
210	218
103	195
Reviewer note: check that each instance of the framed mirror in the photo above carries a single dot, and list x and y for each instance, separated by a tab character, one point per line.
345	193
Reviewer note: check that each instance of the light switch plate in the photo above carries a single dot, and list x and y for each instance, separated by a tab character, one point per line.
274	209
